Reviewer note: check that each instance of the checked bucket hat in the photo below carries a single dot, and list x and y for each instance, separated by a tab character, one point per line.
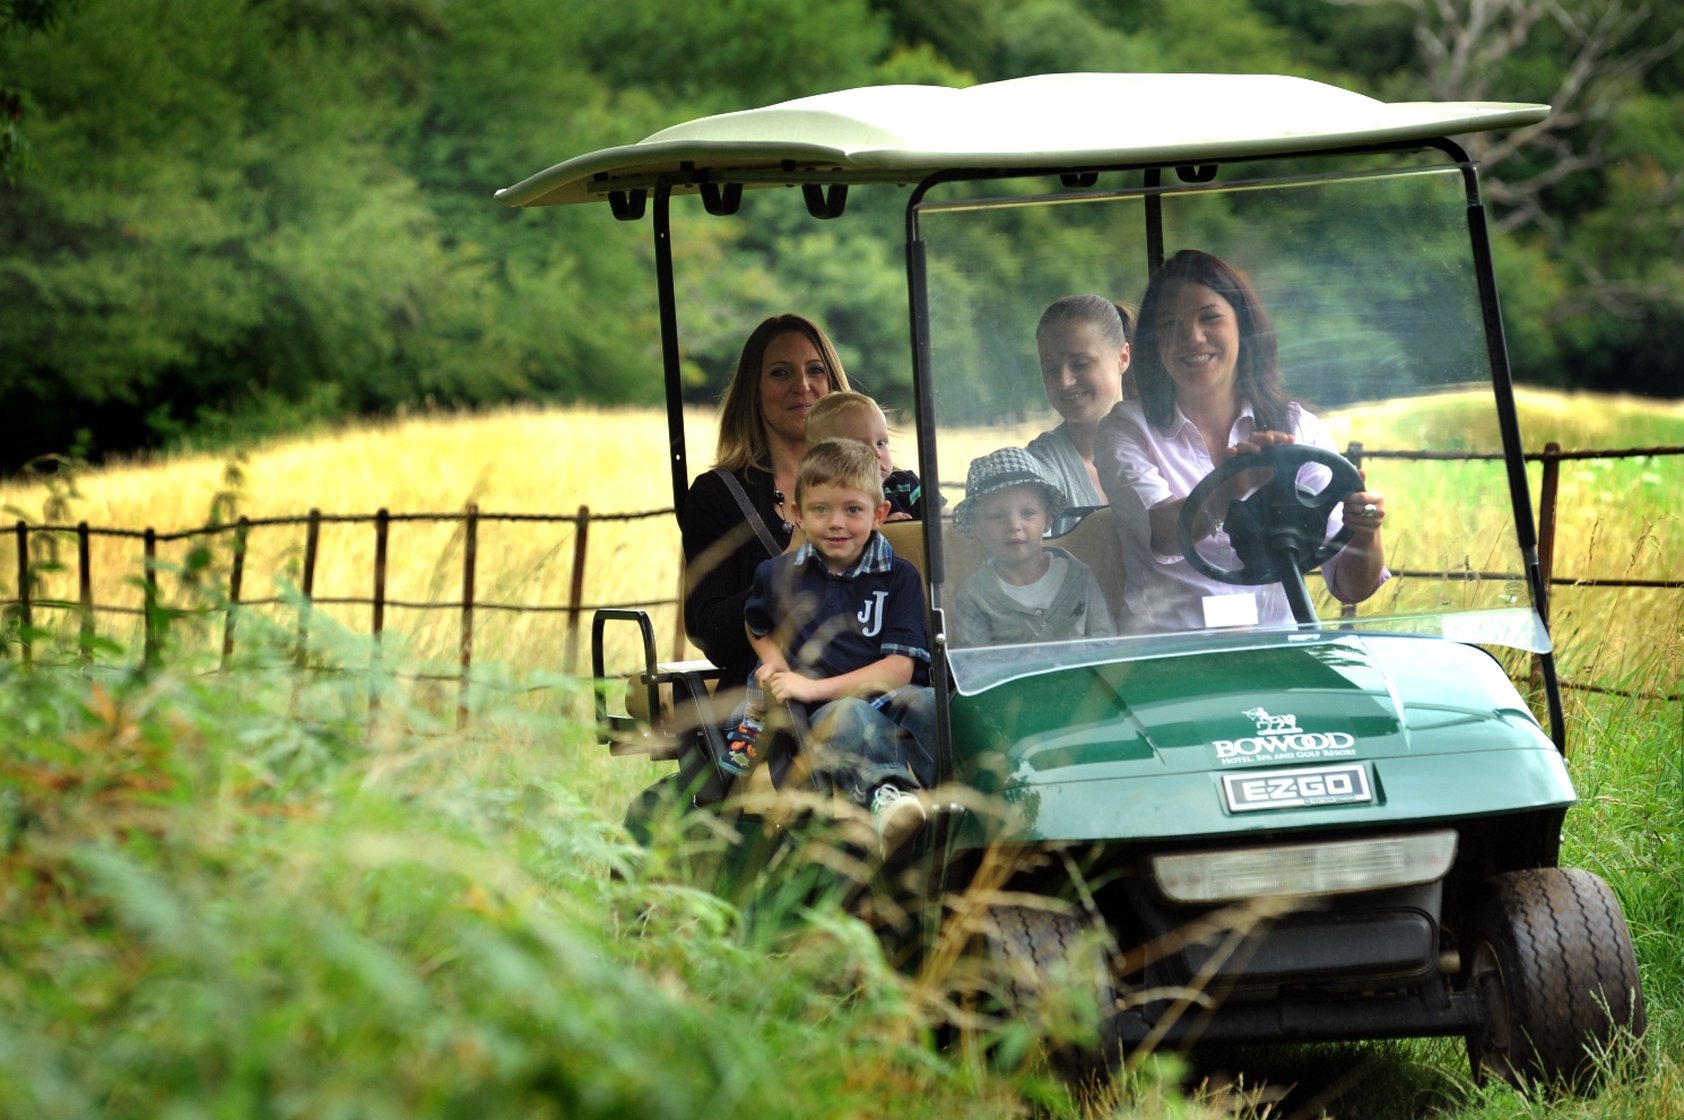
997	470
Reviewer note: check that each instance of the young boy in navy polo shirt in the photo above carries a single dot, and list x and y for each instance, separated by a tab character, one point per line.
839	626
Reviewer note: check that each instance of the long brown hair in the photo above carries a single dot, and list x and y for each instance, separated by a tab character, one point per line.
742	424
1257	375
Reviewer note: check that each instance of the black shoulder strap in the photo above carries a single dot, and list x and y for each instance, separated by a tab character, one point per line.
750	514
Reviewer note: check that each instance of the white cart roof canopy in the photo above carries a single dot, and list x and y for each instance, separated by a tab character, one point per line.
904	133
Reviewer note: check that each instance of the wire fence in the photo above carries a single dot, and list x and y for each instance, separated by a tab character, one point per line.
37	550
1549	511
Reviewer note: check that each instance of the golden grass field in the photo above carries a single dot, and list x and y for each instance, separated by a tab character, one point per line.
1618	518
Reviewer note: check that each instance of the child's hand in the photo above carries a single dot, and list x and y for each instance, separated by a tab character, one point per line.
898	517
785	684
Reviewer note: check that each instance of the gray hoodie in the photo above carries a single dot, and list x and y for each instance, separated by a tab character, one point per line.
985	615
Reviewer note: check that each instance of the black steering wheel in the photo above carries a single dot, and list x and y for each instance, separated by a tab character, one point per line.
1279	532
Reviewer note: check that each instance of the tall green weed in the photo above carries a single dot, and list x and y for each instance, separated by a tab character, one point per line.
211	905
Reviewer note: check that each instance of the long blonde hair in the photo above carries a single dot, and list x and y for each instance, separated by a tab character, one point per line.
742	424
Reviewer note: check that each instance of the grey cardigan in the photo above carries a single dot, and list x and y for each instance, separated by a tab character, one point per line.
984	614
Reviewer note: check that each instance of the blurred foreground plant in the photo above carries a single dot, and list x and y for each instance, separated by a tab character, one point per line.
209	904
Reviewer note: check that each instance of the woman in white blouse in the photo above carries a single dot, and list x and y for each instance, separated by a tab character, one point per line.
1208	374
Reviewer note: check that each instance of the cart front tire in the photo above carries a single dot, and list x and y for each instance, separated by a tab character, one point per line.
1050	963
1550	957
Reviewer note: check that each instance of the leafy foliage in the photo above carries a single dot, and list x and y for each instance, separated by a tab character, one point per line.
219	219
209	905
248	893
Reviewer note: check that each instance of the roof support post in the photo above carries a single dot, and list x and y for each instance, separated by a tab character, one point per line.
666	295
1154	220
917	281
1508	424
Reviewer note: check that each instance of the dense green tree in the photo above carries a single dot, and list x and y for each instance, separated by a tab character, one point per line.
20	20
731	53
1218	37
242	215
1591	199
215	216
963	32
251	214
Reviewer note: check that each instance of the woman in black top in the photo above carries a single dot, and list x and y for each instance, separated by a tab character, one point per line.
786	364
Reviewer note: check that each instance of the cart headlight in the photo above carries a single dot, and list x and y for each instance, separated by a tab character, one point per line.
1332	868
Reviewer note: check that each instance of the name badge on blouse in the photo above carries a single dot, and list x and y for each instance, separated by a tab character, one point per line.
1231	610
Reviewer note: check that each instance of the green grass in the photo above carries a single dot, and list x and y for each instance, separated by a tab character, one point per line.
211	907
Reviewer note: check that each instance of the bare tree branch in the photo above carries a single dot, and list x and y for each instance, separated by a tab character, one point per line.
1463	46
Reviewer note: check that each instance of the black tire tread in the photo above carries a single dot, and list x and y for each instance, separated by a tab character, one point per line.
1572	975
1036	938
1033	941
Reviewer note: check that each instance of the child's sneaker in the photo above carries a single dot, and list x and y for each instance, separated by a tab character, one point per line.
739	752
897	814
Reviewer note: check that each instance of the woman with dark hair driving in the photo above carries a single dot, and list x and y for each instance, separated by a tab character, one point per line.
1207	369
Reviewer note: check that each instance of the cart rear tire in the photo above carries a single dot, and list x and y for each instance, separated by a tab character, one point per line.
1550	957
1039	952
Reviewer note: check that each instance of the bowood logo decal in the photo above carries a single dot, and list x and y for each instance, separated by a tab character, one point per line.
1280	737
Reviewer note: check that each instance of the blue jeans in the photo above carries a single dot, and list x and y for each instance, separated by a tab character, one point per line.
861	744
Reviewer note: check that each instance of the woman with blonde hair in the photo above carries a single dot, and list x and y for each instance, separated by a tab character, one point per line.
1083	342
742	512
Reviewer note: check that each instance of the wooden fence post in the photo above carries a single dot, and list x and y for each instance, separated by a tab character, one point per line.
84	592
576	593
312	541
149	599
382	533
678	634
236	580
26	622
470	554
1547	492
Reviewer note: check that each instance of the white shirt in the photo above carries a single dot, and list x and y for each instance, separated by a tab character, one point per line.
1141	467
1039	595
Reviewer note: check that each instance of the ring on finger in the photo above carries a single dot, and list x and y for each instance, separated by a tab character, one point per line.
1370	510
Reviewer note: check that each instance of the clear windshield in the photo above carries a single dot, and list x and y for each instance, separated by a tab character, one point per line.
1382	356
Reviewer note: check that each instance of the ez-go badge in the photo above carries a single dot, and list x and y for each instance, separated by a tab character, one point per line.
1281	737
1286	789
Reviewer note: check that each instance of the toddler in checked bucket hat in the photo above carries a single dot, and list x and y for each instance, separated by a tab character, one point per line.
997	470
1028	591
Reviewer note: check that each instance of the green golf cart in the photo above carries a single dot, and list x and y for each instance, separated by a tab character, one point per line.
1317	821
